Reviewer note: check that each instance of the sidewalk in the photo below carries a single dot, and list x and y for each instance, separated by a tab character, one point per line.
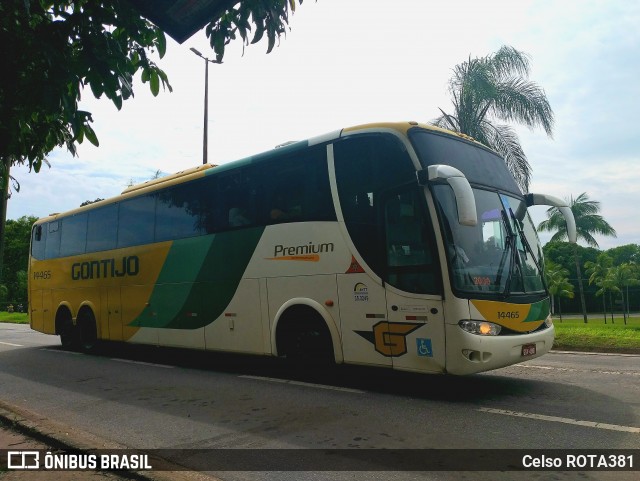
15	441
21	429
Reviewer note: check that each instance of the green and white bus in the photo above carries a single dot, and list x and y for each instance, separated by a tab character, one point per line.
395	244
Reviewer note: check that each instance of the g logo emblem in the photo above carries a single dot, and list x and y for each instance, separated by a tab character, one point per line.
390	338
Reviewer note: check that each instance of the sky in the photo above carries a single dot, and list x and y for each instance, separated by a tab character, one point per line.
349	62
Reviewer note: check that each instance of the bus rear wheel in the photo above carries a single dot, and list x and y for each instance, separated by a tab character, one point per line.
87	330
68	334
66	329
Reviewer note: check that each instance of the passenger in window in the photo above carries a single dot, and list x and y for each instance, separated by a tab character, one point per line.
281	211
363	208
238	217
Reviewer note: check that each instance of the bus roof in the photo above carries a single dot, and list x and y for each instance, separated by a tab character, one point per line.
287	147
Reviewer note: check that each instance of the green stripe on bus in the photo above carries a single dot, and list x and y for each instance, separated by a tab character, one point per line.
216	263
539	311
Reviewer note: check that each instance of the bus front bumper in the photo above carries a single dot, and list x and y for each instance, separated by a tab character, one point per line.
470	353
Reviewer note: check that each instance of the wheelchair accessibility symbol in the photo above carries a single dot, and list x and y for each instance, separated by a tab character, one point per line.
424	347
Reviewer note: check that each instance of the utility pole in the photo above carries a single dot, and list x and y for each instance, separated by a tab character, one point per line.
205	139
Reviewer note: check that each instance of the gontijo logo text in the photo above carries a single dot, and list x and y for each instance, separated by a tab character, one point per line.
104	268
307	252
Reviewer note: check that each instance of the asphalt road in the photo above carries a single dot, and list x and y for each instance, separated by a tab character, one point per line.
147	397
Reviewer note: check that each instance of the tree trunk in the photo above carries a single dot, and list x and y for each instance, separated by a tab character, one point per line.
579	272
611	304
604	307
4	196
560	307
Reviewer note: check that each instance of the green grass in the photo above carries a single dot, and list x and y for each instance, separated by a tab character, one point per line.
574	335
14	317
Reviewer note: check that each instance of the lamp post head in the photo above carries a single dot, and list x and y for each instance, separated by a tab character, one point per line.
197	52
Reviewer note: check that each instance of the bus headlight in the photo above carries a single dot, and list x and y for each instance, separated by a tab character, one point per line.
482	328
548	321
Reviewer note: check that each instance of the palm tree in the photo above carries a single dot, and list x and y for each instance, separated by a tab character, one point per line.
599	273
496	87
624	276
588	223
557	283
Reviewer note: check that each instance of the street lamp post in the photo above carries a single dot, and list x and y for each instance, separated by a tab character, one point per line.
207	61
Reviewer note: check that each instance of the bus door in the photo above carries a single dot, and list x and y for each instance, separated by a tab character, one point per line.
415	339
363	315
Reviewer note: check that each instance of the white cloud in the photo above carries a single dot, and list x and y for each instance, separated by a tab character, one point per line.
356	61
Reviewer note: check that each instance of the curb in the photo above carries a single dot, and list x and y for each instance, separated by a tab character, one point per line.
60	437
591	353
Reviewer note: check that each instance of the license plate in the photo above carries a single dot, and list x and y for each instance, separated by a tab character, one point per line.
528	350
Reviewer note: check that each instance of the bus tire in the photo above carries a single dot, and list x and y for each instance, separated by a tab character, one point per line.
303	338
66	330
87	330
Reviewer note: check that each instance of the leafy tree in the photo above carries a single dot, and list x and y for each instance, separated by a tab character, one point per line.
89	202
629	253
269	16
558	283
496	87
588	223
52	50
4	293
16	257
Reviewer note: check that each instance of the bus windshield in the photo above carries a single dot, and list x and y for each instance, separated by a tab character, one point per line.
501	254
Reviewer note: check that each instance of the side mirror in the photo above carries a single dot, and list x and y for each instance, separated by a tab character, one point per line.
462	191
565	210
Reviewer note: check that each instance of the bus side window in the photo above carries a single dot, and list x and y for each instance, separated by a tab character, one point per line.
236	200
73	240
285	185
38	241
410	244
52	247
136	219
182	211
297	187
102	228
366	166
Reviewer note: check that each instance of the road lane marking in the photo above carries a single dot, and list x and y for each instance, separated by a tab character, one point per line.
569	369
62	351
165	366
11	344
556	419
301	383
582	353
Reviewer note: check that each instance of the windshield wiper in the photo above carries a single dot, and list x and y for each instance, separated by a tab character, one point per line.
509	251
525	242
